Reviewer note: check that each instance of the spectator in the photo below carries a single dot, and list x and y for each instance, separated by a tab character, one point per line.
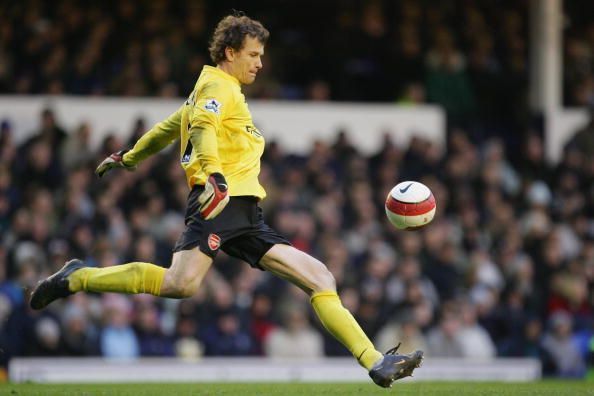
117	339
447	81
262	325
80	336
225	337
296	339
405	330
474	340
565	358
444	340
151	339
76	150
47	338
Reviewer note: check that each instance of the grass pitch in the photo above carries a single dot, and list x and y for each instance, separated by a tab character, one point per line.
557	388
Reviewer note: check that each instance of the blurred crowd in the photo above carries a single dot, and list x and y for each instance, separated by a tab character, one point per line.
578	57
505	269
468	56
357	50
411	51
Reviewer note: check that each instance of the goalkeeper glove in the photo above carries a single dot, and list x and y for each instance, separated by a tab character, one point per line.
115	160
214	198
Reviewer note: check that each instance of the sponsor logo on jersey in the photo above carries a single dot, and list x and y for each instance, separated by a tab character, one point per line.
214	241
253	131
213	106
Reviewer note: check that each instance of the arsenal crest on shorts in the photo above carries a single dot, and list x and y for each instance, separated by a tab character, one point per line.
214	241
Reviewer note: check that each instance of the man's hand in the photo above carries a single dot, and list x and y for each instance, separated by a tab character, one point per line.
115	160
214	198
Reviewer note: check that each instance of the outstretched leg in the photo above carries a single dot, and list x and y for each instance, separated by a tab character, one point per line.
314	278
181	280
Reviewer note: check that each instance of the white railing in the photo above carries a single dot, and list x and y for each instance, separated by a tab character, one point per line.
96	370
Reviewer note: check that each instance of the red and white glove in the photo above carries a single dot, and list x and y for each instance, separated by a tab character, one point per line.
115	160
214	198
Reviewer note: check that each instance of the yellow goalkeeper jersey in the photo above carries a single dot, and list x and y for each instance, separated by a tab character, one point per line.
216	134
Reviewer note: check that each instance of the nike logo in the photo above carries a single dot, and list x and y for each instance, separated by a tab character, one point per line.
405	189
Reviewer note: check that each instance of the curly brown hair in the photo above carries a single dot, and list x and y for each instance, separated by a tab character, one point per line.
231	32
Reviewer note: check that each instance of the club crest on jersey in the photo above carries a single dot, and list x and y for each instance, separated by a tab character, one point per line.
214	241
213	106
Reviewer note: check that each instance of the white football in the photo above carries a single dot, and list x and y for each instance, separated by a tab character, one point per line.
410	205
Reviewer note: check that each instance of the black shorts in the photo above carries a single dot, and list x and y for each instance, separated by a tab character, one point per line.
239	230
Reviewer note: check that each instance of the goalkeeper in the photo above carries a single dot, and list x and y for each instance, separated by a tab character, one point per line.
220	154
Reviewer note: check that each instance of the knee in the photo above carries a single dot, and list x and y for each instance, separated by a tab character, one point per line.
324	280
175	286
184	291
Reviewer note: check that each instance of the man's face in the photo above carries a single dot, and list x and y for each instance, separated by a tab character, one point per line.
246	62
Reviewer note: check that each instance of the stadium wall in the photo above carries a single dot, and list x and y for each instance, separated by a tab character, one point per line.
293	124
97	370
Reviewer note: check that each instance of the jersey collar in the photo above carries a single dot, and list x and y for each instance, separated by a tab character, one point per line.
220	73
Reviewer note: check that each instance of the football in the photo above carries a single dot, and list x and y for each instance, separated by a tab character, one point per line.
410	205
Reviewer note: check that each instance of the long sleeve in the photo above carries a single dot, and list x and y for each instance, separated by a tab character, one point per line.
206	121
204	141
157	138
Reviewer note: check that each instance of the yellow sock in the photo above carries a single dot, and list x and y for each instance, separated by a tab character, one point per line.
341	324
132	278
